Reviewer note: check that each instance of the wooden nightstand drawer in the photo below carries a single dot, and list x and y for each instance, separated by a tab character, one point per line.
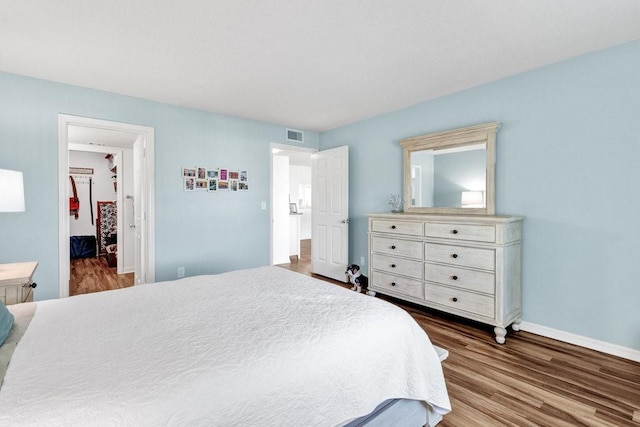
15	294
461	256
393	246
16	282
397	227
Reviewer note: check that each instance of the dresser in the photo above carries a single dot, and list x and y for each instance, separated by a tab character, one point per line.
16	282
467	265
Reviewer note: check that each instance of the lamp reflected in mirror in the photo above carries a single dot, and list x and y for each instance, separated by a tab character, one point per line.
472	199
11	191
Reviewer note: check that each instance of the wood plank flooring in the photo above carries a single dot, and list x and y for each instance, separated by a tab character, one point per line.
94	275
303	263
529	381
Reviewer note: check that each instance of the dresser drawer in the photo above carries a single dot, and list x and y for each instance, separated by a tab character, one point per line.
397	247
481	305
479	281
461	256
398	284
394	265
397	227
477	233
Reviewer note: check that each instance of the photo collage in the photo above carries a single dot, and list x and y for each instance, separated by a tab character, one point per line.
220	179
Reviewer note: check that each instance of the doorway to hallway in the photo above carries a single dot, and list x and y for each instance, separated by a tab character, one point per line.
291	211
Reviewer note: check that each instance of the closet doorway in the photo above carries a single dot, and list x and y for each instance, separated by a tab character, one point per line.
112	165
101	232
291	207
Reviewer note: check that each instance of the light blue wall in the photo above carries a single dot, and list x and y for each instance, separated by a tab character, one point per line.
204	232
568	159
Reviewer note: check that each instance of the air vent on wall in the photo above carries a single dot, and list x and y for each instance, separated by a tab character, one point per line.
295	135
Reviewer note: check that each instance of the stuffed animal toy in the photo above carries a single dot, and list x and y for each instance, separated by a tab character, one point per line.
358	281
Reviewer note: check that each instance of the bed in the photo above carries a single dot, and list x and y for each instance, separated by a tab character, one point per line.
263	346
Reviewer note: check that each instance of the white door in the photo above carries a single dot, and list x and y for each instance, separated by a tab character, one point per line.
138	185
280	209
330	213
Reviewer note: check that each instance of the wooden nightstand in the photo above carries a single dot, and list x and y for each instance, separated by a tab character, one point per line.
16	282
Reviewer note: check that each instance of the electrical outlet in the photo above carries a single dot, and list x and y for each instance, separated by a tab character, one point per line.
180	272
361	261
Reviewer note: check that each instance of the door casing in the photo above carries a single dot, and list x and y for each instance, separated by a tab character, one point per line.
147	196
283	147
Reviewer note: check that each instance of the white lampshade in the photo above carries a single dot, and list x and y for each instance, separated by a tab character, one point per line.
472	199
11	191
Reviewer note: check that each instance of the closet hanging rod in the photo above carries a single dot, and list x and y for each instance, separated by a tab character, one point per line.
82	179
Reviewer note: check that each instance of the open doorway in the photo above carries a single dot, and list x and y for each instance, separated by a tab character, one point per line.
291	189
122	214
102	239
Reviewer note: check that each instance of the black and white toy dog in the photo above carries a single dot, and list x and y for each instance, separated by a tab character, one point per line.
358	281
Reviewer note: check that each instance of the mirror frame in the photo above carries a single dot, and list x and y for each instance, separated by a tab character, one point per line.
477	134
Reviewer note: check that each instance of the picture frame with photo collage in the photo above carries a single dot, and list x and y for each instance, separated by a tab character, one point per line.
200	178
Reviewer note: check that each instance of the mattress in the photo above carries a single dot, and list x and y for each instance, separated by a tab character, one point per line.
262	346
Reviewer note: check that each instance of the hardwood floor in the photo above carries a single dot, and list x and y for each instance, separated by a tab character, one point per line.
303	263
94	275
528	381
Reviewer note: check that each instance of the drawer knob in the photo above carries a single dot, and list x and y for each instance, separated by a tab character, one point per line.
454	255
455	231
33	285
393	227
393	283
454	277
393	246
454	299
393	266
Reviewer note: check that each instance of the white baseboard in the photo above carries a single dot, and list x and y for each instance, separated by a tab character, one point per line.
602	346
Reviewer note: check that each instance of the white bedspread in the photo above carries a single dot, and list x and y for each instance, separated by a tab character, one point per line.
263	347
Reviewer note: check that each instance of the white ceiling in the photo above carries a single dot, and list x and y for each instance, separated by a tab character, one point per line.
306	64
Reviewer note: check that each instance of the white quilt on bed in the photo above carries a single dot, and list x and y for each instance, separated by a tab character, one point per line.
263	347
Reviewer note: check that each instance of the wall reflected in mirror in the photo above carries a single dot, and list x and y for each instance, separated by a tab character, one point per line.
450	177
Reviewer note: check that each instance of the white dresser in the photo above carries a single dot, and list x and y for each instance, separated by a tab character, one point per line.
467	265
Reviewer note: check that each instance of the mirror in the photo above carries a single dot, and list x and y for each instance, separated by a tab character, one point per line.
451	171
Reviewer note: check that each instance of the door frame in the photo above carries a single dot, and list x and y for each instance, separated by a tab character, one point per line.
282	147
147	194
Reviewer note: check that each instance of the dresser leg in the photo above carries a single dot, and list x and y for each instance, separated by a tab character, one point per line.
500	334
516	324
